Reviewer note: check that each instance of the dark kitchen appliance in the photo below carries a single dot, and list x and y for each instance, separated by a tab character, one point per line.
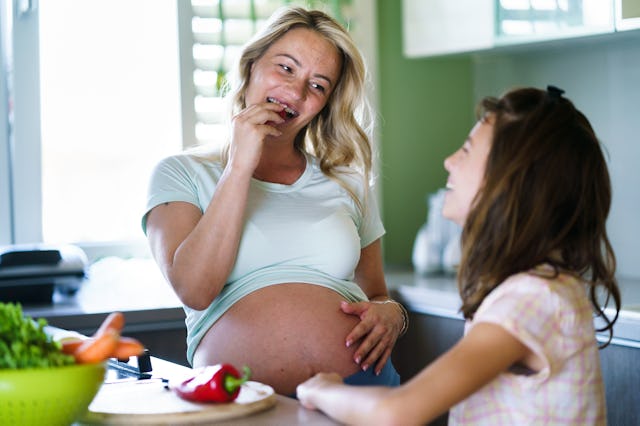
30	273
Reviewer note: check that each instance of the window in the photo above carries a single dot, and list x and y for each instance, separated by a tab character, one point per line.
115	86
92	113
107	114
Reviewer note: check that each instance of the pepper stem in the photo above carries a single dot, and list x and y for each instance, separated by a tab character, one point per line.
232	383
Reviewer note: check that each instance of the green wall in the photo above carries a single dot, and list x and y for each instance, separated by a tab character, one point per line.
426	110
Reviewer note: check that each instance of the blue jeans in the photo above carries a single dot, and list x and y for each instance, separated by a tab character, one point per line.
387	377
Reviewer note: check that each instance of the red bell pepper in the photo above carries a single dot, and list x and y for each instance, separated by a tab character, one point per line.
213	383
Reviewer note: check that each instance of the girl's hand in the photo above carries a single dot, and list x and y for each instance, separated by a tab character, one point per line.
306	390
250	127
379	328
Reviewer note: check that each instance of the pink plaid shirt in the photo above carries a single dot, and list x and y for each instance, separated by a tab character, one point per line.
554	318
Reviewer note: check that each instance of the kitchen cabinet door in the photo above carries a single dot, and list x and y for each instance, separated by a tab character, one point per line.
621	371
168	344
437	27
428	337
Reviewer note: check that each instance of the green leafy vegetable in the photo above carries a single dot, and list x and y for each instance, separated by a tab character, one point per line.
25	344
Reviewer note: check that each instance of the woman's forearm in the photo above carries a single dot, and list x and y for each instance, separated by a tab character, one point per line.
203	261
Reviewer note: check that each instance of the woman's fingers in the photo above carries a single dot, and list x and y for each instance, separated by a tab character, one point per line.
250	127
383	359
362	329
372	347
376	330
262	117
377	357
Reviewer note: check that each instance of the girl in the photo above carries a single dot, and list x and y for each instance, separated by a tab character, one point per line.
530	186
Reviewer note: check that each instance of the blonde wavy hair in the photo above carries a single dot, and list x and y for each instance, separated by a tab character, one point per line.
339	135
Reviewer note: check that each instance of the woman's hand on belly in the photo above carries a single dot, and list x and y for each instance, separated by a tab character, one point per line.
285	333
377	332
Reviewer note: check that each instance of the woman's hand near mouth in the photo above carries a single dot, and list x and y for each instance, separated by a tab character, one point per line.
250	128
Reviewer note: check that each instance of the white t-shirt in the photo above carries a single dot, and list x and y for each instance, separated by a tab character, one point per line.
311	231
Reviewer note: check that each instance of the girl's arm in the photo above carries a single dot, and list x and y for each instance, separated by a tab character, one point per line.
478	358
381	323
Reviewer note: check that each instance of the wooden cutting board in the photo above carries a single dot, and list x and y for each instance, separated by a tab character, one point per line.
150	402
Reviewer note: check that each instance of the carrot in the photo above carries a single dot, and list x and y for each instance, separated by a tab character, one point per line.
71	344
97	349
127	347
114	321
105	343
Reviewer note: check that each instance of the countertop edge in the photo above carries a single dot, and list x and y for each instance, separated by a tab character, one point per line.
438	295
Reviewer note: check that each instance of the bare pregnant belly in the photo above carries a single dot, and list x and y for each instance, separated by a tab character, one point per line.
285	333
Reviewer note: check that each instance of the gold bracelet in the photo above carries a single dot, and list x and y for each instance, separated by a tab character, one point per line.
403	312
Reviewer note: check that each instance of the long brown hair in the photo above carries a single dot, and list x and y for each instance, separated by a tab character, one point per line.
545	198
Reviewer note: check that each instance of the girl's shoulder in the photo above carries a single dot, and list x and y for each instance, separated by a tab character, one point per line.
543	279
542	292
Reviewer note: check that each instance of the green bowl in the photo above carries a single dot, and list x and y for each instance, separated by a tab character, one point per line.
48	396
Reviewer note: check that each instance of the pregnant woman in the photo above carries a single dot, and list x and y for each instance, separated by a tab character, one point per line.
273	243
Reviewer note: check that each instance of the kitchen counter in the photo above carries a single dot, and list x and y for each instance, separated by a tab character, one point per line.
438	295
136	287
153	313
286	411
133	286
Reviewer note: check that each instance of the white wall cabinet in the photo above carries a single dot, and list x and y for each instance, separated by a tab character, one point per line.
440	27
435	27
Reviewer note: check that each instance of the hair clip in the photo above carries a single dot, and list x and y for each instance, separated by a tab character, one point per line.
554	92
